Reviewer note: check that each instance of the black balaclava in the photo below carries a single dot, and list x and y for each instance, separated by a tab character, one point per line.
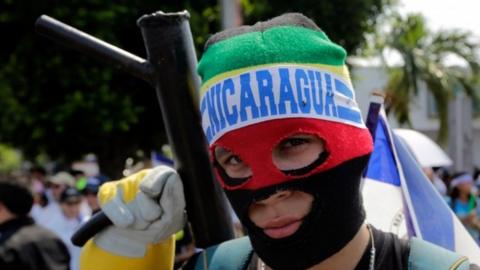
335	218
263	84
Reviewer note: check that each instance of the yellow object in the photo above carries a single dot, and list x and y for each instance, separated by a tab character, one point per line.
129	185
158	257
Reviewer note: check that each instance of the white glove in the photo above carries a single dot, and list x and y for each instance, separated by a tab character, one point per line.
145	208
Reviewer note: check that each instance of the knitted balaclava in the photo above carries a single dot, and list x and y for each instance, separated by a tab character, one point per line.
264	83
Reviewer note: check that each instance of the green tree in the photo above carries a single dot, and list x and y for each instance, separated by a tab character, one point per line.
424	54
58	102
10	159
344	21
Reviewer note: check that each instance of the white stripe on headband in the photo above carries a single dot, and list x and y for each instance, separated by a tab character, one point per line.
463	178
264	93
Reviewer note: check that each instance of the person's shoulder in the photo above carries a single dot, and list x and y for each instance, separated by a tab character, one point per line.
32	237
36	233
392	251
234	254
418	254
33	245
423	253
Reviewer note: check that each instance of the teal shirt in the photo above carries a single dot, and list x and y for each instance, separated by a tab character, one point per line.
462	210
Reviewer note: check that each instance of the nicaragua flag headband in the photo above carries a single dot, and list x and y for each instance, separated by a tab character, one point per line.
280	72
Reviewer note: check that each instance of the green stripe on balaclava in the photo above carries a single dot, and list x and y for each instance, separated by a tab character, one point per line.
278	44
289	43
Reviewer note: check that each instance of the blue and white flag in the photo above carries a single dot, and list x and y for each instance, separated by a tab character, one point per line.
382	192
399	198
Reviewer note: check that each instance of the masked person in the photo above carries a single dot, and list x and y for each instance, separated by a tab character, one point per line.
288	146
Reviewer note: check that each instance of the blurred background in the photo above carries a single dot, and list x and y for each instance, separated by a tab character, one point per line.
59	107
67	120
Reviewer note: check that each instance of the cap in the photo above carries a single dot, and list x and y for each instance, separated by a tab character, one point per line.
462	178
92	185
70	195
63	178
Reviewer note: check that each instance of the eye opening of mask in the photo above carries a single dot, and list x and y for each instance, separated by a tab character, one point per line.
226	179
299	153
231	164
302	171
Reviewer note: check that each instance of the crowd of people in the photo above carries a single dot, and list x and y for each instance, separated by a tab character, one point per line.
461	191
61	202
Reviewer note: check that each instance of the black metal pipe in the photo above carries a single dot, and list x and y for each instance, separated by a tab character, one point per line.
171	68
94	47
169	44
93	226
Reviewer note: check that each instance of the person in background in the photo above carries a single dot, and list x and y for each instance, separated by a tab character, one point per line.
476	173
67	223
80	178
476	178
90	192
37	180
436	180
80	182
38	174
464	203
58	183
23	244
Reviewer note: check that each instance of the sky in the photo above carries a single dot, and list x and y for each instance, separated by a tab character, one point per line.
447	14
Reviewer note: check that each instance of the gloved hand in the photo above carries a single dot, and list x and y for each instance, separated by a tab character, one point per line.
145	208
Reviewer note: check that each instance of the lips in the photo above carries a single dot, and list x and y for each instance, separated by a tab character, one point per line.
282	227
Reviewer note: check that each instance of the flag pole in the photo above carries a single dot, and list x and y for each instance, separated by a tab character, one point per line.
376	103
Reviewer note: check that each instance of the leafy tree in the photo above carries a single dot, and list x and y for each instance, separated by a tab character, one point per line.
59	102
424	55
10	159
344	21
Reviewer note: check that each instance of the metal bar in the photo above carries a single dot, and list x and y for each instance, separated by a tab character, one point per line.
376	103
94	47
170	51
93	226
171	68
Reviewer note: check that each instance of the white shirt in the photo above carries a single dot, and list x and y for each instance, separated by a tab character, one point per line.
64	228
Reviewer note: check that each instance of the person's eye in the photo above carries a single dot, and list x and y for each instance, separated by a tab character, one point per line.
294	143
231	163
297	151
230	160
